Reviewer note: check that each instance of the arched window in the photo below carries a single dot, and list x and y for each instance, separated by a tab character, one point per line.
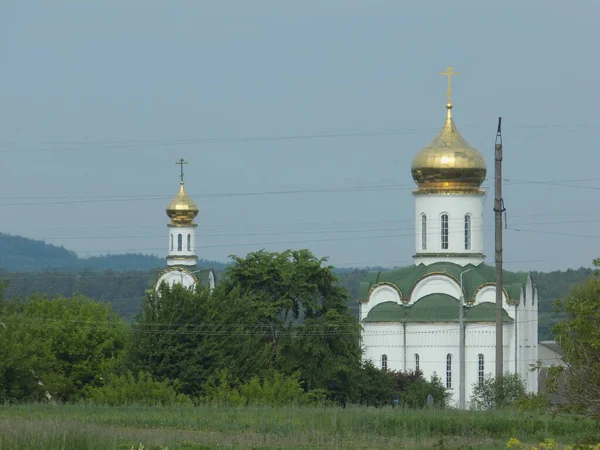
417	361
448	371
444	219
383	362
423	232
171	242
467	232
189	242
480	370
179	242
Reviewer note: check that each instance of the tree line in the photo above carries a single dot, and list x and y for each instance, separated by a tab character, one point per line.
125	290
277	329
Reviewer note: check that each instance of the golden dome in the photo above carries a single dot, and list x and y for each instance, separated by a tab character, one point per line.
448	163
182	210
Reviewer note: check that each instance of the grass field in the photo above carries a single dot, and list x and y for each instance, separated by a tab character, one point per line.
81	427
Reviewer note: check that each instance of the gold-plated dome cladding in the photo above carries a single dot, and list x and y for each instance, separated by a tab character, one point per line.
448	163
182	209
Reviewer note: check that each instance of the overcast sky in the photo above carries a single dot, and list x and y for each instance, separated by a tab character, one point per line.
331	98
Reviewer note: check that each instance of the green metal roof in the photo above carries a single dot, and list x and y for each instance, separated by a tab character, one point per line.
433	308
405	279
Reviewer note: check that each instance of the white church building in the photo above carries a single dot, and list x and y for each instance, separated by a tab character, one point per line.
410	315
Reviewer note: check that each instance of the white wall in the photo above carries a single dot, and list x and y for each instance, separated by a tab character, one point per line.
456	206
183	257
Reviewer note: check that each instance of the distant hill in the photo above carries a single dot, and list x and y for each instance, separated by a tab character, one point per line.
22	254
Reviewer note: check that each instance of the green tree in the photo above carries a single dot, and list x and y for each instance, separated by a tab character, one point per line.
303	315
190	336
498	392
57	347
579	338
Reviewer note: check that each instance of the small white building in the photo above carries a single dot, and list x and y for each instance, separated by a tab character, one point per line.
410	315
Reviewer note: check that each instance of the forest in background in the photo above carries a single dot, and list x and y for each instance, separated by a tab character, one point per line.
33	266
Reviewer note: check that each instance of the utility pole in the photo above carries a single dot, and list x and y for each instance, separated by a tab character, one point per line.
498	210
462	344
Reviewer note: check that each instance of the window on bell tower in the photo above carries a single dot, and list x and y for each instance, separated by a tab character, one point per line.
444	220
171	242
467	232
189	242
179	242
423	232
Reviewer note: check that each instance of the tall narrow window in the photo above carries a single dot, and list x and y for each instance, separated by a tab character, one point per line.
444	231
448	371
383	362
423	232
189	242
467	232
417	365
171	242
179	242
480	370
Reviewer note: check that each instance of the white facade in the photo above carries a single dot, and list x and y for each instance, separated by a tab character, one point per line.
182	245
449	227
434	348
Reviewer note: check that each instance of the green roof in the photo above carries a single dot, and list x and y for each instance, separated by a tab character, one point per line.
405	279
433	308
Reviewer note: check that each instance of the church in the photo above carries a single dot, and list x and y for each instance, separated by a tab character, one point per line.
182	262
410	315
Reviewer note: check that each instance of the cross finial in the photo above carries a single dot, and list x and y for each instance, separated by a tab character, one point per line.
449	74
181	162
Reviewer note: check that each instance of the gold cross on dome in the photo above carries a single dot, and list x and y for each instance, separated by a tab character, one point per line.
181	162
449	74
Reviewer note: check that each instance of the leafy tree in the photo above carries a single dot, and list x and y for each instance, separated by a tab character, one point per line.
498	392
57	347
192	335
304	317
579	338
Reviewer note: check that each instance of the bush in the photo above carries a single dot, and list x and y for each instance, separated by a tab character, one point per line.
274	389
143	390
498	392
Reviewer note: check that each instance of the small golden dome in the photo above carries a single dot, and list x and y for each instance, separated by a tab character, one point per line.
182	209
448	163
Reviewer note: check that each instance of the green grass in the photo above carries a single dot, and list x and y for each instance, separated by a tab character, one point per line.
68	427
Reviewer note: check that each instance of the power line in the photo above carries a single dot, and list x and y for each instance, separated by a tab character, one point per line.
144	144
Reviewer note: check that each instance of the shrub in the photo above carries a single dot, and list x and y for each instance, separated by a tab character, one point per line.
274	389
498	392
140	389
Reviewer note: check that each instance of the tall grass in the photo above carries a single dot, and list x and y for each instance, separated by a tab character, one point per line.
287	427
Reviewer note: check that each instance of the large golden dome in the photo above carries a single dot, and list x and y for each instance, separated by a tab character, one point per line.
182	210
448	163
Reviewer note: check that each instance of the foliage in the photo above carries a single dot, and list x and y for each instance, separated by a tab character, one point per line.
579	338
55	348
381	388
302	314
416	389
498	392
274	389
141	389
192	335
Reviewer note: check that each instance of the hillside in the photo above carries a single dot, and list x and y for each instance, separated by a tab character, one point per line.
20	254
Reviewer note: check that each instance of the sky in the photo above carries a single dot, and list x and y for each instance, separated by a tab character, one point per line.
299	120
